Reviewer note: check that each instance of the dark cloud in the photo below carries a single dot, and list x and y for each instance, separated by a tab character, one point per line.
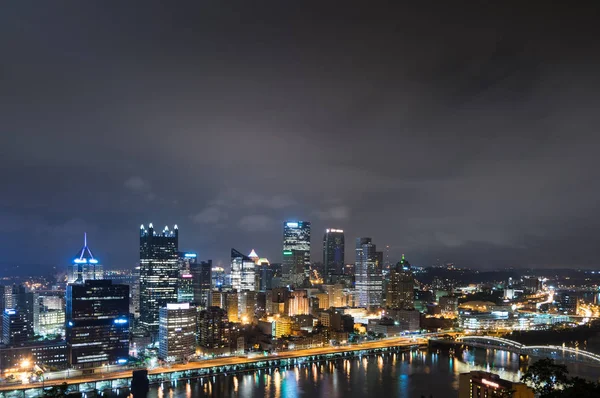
452	132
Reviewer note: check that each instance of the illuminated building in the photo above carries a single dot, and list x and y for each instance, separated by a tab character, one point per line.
406	320
218	299
202	280
336	294
242	272
298	303
159	273
567	302
449	305
296	237
51	322
323	300
283	327
97	323
247	305
293	268
401	286
84	266
479	384
21	320
218	277
333	253
15	328
177	332
368	273
232	306
213	330
38	353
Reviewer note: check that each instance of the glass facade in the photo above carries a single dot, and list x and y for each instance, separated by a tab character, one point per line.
97	323
401	286
368	273
202	280
213	327
333	253
159	273
242	272
296	236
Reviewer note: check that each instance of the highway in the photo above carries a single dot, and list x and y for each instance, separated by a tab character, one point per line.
225	361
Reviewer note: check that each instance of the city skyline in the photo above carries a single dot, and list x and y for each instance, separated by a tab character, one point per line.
464	134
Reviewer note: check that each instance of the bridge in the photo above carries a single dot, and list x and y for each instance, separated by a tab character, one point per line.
533	350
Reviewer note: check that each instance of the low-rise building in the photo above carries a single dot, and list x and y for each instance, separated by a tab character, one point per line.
479	384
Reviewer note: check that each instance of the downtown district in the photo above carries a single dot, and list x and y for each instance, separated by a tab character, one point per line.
175	308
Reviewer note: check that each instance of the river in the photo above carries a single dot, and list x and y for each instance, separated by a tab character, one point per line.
414	373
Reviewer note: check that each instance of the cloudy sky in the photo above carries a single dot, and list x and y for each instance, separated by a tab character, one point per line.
465	134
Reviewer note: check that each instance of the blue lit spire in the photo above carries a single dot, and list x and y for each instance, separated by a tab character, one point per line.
85	255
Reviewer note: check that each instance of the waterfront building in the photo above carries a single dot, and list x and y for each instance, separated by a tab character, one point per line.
368	272
484	384
296	236
159	273
213	331
202	282
242	272
401	286
406	320
177	332
333	254
84	265
44	354
97	323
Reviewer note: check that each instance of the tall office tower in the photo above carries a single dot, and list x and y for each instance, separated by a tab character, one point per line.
369	281
296	236
232	306
218	277
218	299
84	266
22	317
185	283
400	290
247	305
177	332
213	330
97	323
298	303
202	280
134	293
159	273
292	269
264	276
333	254
242	272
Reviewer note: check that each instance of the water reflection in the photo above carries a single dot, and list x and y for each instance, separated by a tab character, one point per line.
409	374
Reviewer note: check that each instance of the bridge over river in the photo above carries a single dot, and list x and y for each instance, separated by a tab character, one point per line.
499	343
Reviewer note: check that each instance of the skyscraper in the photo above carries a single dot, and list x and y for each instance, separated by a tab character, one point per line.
84	265
177	332
242	272
159	273
400	289
369	281
213	330
333	253
202	282
296	236
97	317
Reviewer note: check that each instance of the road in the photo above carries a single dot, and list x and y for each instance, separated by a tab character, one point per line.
390	342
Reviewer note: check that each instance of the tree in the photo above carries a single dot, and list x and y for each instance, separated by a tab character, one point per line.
551	380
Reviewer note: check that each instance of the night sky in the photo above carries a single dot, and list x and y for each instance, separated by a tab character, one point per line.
464	134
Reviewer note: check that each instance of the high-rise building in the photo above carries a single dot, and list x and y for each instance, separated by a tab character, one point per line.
247	305
293	268
15	329
185	283
213	330
202	280
401	286
177	332
296	236
22	317
218	277
159	273
233	306
84	265
333	253
368	273
242	272
97	323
